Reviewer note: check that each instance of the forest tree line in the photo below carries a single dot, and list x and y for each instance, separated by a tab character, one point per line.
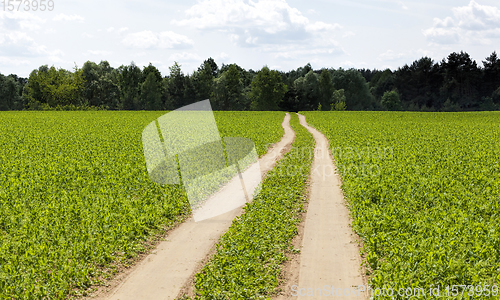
456	83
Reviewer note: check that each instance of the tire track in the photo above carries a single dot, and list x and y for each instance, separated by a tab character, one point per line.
329	252
169	268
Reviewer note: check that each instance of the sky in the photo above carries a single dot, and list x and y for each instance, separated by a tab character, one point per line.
280	34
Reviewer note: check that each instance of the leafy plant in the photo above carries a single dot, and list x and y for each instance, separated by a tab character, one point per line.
427	203
76	199
249	256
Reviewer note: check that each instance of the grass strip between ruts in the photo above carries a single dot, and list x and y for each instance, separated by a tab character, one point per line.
249	256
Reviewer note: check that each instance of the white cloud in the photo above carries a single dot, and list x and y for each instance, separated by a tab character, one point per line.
292	52
9	61
18	43
42	50
98	52
249	23
391	56
19	21
473	23
16	38
223	56
121	30
185	57
443	35
349	64
348	34
162	40
63	17
477	17
312	12
320	26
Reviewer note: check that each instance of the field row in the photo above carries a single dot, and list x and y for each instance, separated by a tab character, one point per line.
75	196
424	192
249	257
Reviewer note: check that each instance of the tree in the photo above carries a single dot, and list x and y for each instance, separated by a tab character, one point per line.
368	74
110	89
461	79
307	88
381	83
203	80
211	66
390	100
54	87
151	92
358	97
290	100
152	69
175	87
228	92
10	98
65	87
91	76
267	90
220	94
303	71
449	106
326	89
338	101
339	106
491	77
234	87
100	87
246	77
151	88
189	91
130	79
419	84
496	95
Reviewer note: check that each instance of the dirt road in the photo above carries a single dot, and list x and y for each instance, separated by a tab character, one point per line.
329	259
162	274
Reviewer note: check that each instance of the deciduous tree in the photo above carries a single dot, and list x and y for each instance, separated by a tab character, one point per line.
326	89
390	101
267	90
307	88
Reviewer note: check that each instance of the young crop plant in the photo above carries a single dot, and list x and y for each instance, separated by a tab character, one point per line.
76	198
250	254
424	193
263	128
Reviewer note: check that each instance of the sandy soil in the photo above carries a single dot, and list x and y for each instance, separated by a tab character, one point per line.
169	269
330	254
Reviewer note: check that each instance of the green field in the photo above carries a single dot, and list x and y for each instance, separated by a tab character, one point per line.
248	262
75	196
424	193
76	200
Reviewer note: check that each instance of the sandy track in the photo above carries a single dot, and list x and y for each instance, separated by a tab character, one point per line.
164	273
329	252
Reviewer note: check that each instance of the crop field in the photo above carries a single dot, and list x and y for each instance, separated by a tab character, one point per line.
76	200
75	196
424	193
248	262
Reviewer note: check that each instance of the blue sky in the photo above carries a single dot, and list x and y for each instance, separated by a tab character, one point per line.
282	34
